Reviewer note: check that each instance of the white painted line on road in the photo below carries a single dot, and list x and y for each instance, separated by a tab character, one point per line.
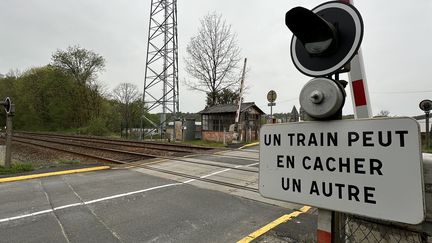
218	172
201	177
85	203
130	193
114	196
26	215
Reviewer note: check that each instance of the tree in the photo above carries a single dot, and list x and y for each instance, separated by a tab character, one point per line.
128	96
45	100
83	65
213	57
224	96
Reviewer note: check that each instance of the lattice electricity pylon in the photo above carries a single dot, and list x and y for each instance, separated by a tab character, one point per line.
161	92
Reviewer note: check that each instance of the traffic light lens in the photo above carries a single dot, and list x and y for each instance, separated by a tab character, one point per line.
316	34
325	38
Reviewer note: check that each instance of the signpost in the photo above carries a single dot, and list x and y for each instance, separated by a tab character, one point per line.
367	167
271	98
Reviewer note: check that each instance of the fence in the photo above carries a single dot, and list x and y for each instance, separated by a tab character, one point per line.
355	229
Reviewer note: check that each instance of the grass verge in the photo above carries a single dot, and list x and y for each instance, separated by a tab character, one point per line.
16	168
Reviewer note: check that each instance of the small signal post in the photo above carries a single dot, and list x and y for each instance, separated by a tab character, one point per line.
10	112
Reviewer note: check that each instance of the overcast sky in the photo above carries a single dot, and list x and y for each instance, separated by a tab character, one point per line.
396	47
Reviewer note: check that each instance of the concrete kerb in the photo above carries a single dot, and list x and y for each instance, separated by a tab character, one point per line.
56	173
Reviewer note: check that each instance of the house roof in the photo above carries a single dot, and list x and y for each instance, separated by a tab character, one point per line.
229	108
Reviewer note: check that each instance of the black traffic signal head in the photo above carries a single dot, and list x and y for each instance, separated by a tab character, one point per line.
316	34
325	38
426	105
7	105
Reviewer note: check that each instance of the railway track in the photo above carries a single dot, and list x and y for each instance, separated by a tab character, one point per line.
120	142
102	150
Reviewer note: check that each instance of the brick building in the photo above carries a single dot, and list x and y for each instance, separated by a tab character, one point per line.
217	121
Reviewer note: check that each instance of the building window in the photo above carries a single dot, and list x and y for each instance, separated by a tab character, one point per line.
205	125
217	122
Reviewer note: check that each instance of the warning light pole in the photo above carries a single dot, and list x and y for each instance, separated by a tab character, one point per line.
326	42
10	112
320	49
426	106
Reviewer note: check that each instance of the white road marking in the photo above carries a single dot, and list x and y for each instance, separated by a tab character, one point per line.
114	196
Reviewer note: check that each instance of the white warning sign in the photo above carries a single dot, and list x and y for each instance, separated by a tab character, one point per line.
370	167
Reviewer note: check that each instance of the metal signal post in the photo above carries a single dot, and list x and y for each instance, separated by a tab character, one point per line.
426	106
10	112
320	49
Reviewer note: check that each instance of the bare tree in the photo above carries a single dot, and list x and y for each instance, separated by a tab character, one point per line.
127	95
213	57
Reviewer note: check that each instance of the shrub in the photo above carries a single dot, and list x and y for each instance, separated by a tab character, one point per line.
96	126
16	168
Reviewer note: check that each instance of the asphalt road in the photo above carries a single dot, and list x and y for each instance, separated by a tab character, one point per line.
133	205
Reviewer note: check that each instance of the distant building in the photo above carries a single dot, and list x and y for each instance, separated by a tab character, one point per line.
217	121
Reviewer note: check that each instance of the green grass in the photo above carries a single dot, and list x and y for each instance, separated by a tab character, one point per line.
16	168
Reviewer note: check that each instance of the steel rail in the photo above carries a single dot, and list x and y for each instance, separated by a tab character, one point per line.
145	167
146	143
137	154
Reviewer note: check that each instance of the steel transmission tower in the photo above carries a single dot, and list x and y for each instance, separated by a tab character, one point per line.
161	92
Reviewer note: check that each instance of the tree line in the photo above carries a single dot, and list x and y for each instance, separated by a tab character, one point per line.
66	95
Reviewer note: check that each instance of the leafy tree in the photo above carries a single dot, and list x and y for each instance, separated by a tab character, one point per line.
224	96
45	100
83	66
213	57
